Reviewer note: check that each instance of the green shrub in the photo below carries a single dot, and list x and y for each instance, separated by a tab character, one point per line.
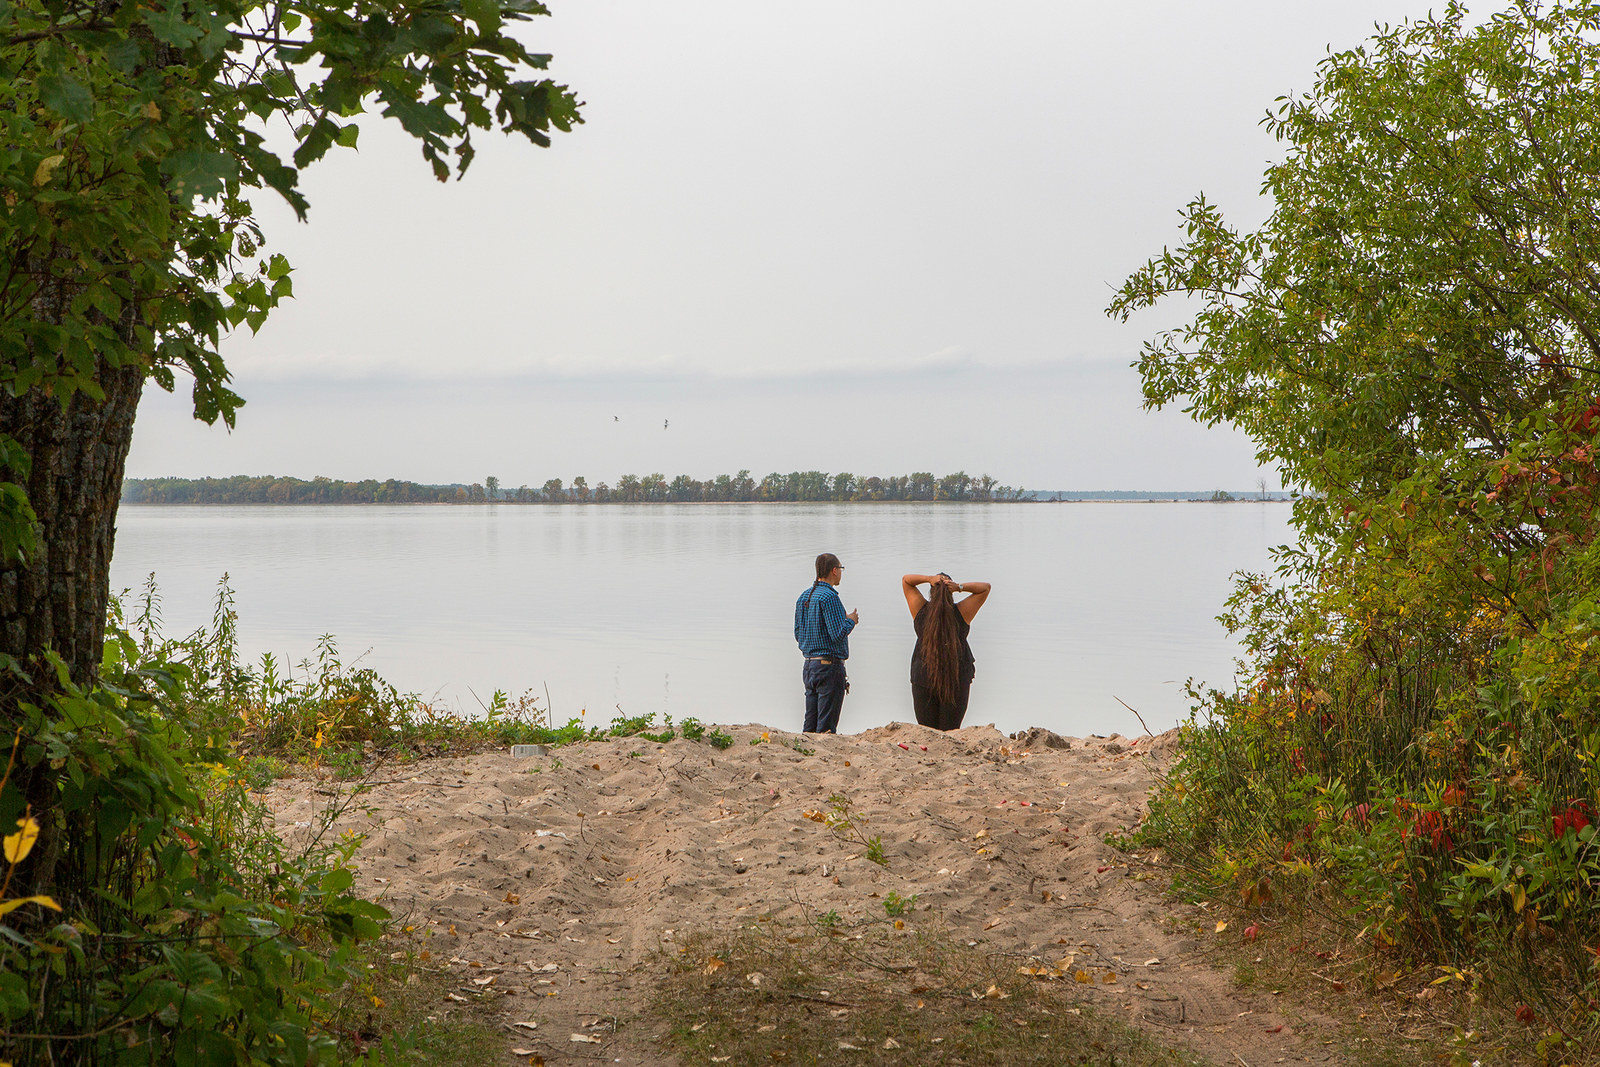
187	932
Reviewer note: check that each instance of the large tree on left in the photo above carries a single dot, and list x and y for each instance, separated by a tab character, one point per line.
131	138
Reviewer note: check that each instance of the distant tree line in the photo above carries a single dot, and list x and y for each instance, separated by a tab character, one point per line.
267	489
629	489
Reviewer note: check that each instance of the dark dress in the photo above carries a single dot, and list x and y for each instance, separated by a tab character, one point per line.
930	710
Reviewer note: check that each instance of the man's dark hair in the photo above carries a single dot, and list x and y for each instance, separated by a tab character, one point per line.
825	564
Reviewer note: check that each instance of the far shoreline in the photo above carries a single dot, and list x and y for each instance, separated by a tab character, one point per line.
679	503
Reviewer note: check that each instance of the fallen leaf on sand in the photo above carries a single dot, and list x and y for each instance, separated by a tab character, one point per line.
584	1039
456	997
754	978
848	1047
525	1026
890	1042
1083	977
522	1052
765	1028
1222	925
713	965
980	835
511	898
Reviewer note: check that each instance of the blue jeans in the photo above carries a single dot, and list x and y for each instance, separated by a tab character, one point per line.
825	684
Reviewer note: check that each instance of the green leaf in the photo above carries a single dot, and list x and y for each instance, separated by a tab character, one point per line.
169	26
66	96
337	880
486	13
200	172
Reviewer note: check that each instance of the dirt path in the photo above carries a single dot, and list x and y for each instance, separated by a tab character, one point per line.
551	881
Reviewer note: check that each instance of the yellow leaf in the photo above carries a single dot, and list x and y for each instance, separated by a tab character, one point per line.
19	844
1082	976
1221	926
46	169
9	906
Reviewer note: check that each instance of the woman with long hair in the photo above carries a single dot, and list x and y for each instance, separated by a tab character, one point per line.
942	664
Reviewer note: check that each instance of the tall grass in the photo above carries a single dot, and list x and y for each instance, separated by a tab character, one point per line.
323	708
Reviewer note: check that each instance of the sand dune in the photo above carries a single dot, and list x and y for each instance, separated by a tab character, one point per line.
558	876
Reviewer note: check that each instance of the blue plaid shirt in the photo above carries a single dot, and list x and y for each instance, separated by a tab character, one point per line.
821	627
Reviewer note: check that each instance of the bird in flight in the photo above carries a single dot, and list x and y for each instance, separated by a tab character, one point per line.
616	418
664	424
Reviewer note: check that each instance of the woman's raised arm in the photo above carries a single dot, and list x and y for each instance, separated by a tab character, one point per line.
915	601
968	606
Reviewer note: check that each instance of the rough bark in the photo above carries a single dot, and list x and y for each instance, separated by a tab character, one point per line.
56	599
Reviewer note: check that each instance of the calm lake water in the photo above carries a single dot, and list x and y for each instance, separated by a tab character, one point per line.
688	609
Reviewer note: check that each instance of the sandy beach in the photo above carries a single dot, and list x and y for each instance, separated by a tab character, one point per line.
551	882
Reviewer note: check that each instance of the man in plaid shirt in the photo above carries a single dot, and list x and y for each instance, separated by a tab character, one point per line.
822	630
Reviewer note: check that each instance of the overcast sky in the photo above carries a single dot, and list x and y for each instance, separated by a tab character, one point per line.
868	236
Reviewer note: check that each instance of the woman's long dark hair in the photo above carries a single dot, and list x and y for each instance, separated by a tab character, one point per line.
941	643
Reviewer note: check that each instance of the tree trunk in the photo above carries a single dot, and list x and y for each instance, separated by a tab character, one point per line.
56	599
